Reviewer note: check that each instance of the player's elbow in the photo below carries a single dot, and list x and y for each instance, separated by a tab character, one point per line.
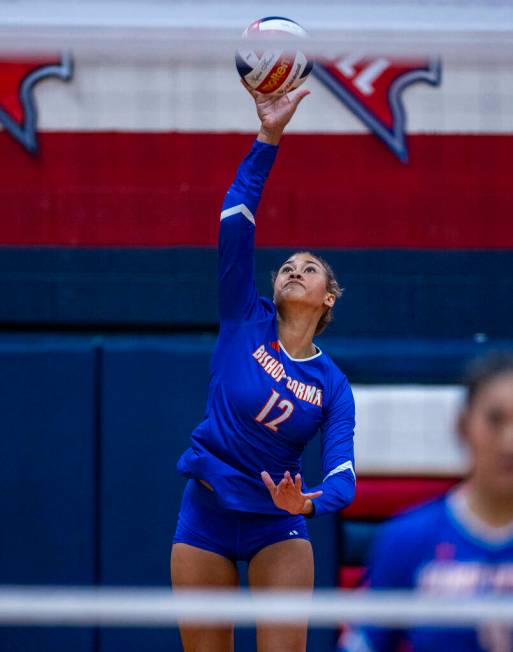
347	489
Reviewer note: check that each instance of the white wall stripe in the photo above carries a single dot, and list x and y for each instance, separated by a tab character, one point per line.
139	97
240	208
408	429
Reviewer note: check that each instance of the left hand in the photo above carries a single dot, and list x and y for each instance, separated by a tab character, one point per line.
287	493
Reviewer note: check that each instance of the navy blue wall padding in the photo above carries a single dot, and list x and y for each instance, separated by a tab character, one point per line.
91	430
357	538
98	287
47	475
389	293
154	393
324	533
408	360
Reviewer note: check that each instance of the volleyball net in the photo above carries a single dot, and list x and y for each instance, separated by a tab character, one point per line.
479	30
128	607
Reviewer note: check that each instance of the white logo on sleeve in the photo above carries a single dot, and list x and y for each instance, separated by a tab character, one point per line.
293	533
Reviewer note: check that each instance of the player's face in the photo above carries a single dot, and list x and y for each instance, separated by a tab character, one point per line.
303	279
487	427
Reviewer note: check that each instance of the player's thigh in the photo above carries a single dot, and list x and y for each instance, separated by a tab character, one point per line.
193	567
283	565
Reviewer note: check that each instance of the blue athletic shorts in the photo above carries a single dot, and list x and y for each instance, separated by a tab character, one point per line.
203	523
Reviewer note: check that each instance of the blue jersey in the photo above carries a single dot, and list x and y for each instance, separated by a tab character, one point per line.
439	549
263	405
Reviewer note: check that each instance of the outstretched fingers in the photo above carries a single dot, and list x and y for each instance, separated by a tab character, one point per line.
293	99
299	96
288	478
252	92
313	494
269	483
298	485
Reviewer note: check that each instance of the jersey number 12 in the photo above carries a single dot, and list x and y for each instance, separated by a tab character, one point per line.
286	406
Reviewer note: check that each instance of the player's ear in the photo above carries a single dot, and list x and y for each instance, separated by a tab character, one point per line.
329	300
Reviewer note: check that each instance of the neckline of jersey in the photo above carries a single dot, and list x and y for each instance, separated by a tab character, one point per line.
312	357
488	534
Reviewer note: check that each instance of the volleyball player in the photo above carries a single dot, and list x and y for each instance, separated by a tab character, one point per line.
271	390
461	544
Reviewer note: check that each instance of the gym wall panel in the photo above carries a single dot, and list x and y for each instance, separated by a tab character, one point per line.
153	394
326	190
47	475
389	293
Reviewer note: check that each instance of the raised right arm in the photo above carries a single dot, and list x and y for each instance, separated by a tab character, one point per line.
238	297
237	292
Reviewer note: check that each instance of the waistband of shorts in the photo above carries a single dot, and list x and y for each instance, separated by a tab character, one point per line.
208	499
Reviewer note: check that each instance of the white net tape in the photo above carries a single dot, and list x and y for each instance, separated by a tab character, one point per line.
158	607
455	29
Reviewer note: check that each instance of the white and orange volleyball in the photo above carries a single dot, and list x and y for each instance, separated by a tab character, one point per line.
272	71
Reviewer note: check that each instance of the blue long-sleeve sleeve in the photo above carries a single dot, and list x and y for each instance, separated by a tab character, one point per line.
238	297
337	432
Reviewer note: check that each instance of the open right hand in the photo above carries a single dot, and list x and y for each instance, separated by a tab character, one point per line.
275	112
288	494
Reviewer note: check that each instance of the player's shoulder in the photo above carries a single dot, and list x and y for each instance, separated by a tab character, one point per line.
415	523
403	542
331	366
336	381
265	310
262	311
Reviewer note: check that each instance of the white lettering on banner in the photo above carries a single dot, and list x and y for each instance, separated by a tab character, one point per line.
365	79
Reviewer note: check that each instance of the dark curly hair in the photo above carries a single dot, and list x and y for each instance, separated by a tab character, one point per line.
484	369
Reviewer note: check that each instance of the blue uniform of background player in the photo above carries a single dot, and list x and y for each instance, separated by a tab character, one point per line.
462	543
271	390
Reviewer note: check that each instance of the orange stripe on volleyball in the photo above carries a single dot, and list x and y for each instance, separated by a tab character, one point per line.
277	76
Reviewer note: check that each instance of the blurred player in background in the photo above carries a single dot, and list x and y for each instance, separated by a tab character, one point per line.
271	390
462	543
